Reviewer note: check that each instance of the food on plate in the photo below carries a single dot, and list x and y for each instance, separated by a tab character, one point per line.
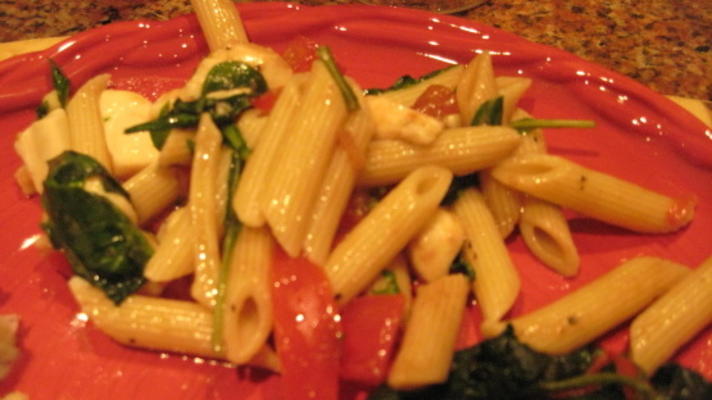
273	147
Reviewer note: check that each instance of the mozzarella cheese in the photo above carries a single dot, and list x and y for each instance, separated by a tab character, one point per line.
396	121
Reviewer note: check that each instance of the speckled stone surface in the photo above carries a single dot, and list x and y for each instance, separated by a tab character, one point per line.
665	44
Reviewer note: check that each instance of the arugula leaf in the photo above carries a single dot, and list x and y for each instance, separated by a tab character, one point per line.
327	58
101	243
406	81
489	113
60	82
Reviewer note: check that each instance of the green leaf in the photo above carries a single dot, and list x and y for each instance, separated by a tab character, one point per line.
232	75
489	113
327	58
458	184
674	382
406	81
42	110
528	124
461	266
101	243
388	284
60	82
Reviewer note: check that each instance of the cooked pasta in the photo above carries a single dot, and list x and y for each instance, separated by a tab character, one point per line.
357	260
86	128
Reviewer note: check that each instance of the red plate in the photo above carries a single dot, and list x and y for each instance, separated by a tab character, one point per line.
640	136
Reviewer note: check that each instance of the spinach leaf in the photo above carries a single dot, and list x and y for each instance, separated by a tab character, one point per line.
406	81
461	266
458	184
101	243
674	382
60	82
185	114
501	368
489	113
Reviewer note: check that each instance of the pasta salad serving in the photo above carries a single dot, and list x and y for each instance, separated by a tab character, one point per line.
272	214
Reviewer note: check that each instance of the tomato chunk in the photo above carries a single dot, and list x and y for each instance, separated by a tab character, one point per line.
371	328
437	101
307	329
300	53
265	102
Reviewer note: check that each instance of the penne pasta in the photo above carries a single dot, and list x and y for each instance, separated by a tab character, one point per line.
177	149
595	194
337	186
428	343
476	86
511	89
496	283
358	259
578	318
152	191
86	128
504	203
253	180
296	177
250	125
202	202
461	150
174	256
248	306
675	318
220	22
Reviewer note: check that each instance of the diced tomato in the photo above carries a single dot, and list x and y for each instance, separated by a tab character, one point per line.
300	53
626	367
371	327
265	102
307	329
437	101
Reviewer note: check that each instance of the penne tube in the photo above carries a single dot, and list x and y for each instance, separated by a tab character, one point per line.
428	343
595	194
222	176
174	256
253	179
511	89
248	305
220	22
409	94
358	259
496	283
504	203
250	125
148	322
675	318
461	150
86	127
433	249
202	203
579	317
546	233
157	324
23	178
153	190
177	148
476	86
296	177
337	186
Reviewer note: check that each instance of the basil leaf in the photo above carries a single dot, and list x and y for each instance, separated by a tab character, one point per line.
489	113
60	82
234	74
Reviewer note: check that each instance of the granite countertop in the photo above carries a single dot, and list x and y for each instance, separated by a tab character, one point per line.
665	44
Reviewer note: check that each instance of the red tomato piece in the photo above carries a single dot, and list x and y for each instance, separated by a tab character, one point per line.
300	53
265	102
371	327
437	101
307	329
